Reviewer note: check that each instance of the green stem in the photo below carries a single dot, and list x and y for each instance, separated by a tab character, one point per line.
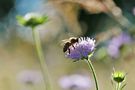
41	59
118	86
93	72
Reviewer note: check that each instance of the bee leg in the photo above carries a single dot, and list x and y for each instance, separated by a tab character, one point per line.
64	49
68	50
73	46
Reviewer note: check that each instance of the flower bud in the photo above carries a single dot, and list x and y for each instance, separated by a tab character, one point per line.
118	76
32	19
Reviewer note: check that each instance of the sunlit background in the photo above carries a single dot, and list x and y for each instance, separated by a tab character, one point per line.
109	22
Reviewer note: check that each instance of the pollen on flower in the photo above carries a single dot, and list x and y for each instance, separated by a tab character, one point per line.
81	49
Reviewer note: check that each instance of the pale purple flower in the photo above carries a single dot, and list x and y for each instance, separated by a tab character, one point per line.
116	43
81	49
30	77
75	82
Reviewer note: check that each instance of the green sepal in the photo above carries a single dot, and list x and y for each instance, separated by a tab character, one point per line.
20	20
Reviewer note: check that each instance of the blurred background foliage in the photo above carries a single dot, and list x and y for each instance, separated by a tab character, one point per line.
102	20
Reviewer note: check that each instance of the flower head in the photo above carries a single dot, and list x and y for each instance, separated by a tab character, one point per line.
81	49
118	76
116	43
32	19
75	82
29	77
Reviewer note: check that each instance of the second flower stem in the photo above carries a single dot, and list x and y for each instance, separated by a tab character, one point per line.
118	86
93	72
43	65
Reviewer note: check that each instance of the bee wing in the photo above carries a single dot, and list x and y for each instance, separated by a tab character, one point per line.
62	42
67	40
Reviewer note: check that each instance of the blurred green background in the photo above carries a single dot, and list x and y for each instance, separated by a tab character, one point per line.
92	18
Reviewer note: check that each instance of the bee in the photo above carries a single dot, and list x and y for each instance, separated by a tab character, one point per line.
69	42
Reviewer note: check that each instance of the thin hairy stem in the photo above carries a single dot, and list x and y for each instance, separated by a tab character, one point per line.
93	72
41	59
118	86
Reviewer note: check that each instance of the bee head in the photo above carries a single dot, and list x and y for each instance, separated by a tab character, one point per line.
73	39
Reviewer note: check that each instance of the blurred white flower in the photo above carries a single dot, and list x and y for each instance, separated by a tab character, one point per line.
75	82
30	77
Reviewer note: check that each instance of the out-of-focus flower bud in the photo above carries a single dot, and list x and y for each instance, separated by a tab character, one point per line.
32	19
